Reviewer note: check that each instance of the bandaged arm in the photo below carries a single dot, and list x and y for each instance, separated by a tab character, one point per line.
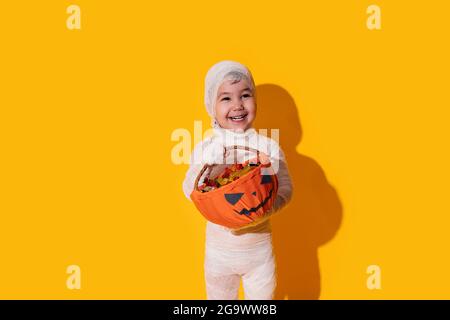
195	167
285	188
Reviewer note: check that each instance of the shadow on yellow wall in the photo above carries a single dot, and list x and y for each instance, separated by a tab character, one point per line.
315	212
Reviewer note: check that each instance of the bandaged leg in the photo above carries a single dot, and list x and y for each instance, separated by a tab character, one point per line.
222	282
260	281
229	257
222	287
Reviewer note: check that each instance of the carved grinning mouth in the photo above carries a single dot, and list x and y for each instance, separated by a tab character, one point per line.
254	209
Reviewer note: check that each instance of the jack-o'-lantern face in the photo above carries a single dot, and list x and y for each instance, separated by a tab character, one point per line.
241	202
255	202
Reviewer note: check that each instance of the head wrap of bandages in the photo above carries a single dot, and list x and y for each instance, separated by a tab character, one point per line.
216	75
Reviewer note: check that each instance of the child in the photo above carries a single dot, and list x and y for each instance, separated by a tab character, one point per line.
230	99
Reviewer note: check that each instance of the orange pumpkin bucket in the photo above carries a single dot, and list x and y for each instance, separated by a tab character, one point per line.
242	201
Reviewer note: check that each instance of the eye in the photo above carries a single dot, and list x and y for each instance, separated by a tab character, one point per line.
247	95
232	198
266	179
226	98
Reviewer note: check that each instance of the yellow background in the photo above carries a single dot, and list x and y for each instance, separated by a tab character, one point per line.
86	118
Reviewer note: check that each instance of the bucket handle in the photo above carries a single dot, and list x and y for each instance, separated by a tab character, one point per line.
225	150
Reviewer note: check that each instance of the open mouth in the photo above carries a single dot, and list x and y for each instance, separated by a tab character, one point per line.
238	118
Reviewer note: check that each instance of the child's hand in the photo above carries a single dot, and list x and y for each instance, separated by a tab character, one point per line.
251	227
263	158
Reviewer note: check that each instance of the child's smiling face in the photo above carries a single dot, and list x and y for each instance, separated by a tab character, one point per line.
235	105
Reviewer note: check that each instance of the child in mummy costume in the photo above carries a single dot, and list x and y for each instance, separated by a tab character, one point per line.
232	254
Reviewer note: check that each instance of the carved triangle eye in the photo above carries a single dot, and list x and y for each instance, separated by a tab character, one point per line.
266	179
232	198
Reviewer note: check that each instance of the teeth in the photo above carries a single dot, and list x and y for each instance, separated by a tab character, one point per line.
238	118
